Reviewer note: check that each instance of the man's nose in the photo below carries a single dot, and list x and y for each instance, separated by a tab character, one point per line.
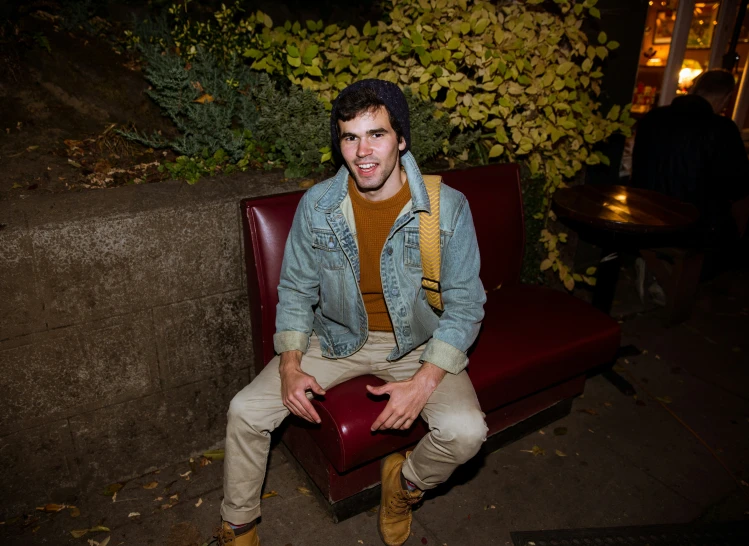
364	148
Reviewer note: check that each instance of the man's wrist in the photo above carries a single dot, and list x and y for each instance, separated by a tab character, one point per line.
430	374
291	359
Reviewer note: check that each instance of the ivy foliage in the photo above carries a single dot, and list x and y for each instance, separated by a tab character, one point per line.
516	80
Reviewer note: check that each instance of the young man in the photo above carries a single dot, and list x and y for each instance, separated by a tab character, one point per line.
351	303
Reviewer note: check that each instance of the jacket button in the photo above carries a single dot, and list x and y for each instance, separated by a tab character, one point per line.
394	291
389	250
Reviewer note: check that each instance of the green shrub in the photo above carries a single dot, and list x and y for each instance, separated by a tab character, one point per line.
522	73
227	114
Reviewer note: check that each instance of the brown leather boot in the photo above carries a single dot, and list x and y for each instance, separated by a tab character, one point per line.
226	536
395	502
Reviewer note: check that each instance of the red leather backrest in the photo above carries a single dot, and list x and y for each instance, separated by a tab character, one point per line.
493	192
267	222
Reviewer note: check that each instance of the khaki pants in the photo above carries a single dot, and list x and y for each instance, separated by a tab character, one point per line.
456	423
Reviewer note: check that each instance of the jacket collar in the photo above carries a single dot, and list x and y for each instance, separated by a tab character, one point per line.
337	189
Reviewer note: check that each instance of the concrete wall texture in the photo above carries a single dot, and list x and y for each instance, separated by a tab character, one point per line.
124	331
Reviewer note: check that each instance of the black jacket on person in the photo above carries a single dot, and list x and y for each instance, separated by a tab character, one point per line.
687	151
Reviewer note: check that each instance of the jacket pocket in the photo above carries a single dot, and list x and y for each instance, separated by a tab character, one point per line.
411	251
328	249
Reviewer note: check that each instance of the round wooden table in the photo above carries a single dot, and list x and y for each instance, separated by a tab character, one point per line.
642	217
621	209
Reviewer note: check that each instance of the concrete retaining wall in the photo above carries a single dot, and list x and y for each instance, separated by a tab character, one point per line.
124	331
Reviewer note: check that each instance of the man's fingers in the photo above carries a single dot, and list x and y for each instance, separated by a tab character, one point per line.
296	409
407	424
382	418
390	422
309	409
400	422
379	391
316	388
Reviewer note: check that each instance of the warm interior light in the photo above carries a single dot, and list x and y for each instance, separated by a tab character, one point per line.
622	198
655	61
686	75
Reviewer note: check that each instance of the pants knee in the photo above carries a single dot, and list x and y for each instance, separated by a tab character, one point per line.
465	433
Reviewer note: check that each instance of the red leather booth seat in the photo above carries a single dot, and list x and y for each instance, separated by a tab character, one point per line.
533	351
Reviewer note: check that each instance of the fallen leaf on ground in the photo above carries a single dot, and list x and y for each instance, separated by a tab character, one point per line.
186	475
31	148
16	186
204	461
589	411
304	490
52	507
114	497
202	99
112	489
151	485
560	453
78	533
308	183
200	501
541	432
608	404
657	357
174	497
133	514
269	494
664	399
74	511
214	454
560	431
157	499
535	451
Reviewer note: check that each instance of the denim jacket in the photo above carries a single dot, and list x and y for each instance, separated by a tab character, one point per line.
319	285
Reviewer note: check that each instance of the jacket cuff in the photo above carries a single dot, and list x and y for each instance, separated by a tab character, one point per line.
290	340
445	356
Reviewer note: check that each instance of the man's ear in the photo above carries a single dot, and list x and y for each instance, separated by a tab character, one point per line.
402	144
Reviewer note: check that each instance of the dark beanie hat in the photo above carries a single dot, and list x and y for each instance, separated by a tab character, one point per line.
391	96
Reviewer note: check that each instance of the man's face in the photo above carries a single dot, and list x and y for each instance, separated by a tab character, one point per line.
371	149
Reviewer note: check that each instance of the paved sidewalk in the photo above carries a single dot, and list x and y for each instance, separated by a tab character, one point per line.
613	461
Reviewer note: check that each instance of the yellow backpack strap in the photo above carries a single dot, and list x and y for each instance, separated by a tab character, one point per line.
429	244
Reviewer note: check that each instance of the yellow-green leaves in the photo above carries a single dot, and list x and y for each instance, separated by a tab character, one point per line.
310	53
527	78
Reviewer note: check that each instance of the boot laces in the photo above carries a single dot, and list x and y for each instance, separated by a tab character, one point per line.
401	503
221	537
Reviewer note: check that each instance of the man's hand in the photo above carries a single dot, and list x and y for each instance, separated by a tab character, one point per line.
407	398
295	384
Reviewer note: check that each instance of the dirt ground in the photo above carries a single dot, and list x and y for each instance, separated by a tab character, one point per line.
64	93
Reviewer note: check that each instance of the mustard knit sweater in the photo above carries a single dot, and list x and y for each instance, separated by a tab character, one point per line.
374	219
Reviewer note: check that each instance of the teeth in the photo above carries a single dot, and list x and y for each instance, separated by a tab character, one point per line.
366	166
